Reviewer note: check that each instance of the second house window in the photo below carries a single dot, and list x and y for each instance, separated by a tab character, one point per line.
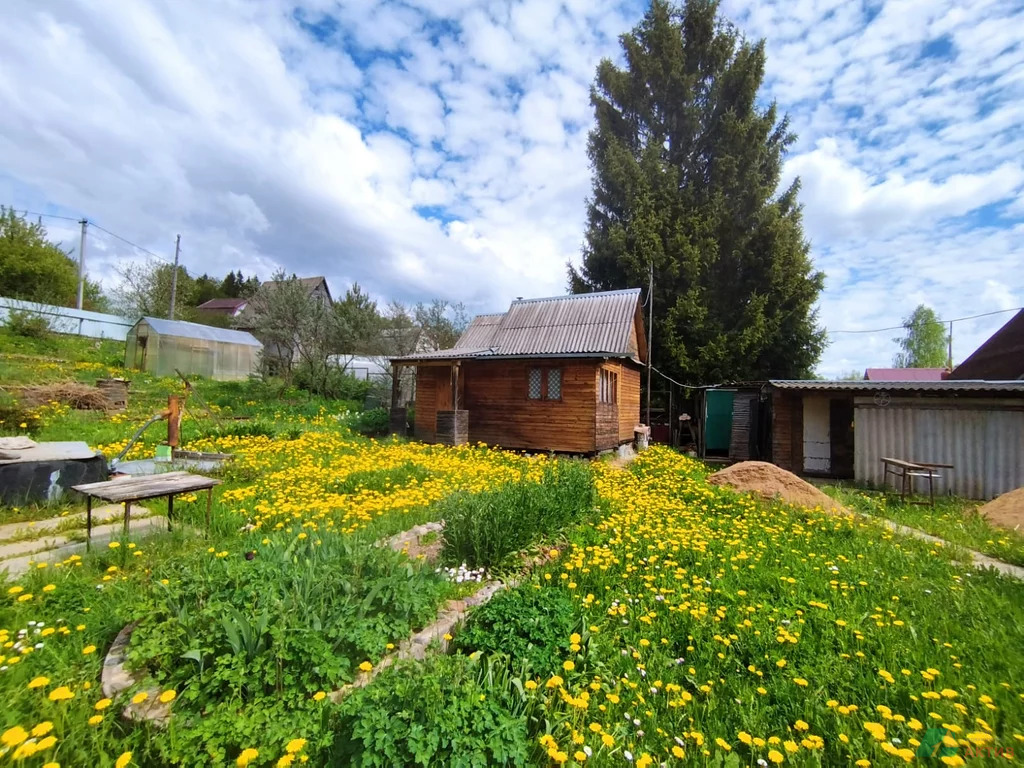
544	384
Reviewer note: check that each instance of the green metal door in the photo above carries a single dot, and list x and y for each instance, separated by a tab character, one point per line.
717	419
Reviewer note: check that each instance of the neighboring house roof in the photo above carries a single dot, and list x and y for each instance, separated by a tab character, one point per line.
198	331
905	374
940	387
310	283
218	305
608	324
1000	358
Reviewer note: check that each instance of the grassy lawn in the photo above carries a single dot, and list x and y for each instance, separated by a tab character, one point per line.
953	519
665	620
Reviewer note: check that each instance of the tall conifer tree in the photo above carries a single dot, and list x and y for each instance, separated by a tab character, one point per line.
686	169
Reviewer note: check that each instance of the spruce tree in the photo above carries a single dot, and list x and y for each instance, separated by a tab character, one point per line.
686	167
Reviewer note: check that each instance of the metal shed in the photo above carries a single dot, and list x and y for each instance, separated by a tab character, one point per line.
162	346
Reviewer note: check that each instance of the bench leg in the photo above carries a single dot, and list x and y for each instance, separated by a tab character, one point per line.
170	510
88	523
127	515
209	503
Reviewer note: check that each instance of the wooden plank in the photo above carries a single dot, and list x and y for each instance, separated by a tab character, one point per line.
146	486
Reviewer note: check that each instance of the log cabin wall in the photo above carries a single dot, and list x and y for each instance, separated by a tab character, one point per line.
500	413
616	422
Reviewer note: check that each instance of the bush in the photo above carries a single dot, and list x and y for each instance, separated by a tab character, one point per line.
331	382
29	324
528	624
489	529
376	421
451	710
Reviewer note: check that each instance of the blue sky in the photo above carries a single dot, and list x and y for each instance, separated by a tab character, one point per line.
437	147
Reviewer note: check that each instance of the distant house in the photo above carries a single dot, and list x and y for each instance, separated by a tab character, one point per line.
1001	358
555	374
905	374
223	307
163	347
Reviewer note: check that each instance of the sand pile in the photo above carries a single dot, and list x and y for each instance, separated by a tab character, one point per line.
1006	510
768	481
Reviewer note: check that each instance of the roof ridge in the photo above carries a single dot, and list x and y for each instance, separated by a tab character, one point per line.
590	294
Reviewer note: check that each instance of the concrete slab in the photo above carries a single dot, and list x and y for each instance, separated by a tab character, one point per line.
17	565
39	528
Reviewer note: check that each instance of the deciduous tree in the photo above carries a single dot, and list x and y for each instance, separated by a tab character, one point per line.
925	344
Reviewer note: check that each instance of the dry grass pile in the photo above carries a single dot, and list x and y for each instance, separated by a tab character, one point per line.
81	397
1006	510
769	481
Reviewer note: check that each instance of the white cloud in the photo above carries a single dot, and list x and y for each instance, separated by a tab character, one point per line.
430	148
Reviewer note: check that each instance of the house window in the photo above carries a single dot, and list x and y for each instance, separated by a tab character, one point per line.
609	389
544	384
554	384
536	382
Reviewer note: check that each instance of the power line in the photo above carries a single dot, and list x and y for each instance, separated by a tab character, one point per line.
936	322
47	215
129	242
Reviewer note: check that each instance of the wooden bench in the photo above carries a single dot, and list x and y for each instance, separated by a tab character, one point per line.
139	488
905	472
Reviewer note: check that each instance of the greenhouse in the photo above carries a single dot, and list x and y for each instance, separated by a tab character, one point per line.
163	346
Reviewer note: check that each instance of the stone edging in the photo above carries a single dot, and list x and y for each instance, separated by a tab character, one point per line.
116	679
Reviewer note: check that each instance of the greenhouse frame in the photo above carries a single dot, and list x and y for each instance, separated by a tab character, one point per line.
162	347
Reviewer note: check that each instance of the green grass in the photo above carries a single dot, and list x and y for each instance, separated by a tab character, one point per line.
953	519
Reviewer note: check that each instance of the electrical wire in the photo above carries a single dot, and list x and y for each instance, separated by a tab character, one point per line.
47	215
935	322
129	242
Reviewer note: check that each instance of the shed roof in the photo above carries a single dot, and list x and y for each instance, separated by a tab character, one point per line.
1001	357
905	374
198	331
938	387
578	325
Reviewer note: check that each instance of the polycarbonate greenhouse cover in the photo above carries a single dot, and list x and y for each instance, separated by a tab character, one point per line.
199	331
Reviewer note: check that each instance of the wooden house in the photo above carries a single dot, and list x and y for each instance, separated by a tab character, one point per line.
556	374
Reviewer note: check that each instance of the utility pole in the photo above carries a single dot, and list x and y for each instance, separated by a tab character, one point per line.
174	274
81	263
949	359
650	338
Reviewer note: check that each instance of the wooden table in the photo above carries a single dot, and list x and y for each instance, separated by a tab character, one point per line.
906	471
139	488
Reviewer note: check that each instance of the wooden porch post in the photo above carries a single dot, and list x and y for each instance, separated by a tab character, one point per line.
396	385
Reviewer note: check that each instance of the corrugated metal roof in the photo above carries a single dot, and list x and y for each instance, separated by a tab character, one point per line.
480	333
579	325
899	386
223	304
199	331
905	374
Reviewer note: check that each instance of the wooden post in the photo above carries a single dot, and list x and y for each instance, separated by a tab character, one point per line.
127	515
88	523
173	420
170	510
209	503
396	384
455	386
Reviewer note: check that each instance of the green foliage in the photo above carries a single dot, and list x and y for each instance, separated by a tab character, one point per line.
261	626
32	268
526	624
452	711
686	178
375	421
925	343
145	289
330	381
490	528
28	324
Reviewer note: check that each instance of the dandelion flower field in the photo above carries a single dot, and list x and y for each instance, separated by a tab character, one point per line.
661	621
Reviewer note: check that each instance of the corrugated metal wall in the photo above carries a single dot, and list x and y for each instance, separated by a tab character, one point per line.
983	440
79	322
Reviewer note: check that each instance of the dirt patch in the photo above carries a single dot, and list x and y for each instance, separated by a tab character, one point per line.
420	543
768	481
1006	510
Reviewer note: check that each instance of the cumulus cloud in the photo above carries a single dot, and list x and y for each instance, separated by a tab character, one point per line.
429	148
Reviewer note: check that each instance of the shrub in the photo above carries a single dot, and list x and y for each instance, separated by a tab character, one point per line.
452	710
490	528
29	324
528	624
373	422
331	382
